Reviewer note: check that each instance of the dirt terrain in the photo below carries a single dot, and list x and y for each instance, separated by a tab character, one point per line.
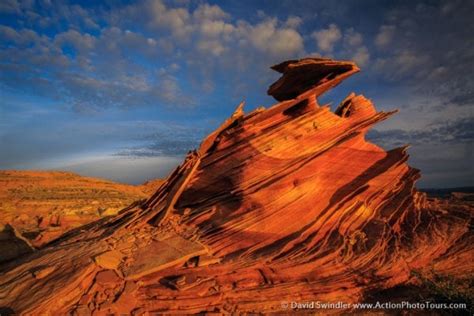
42	205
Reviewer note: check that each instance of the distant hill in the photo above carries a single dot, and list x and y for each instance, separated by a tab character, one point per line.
445	192
44	204
150	186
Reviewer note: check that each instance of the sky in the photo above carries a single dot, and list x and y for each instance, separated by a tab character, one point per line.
123	89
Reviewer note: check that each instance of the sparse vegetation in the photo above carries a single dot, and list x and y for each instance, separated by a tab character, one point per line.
445	289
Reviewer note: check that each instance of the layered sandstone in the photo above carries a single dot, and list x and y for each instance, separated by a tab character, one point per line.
289	203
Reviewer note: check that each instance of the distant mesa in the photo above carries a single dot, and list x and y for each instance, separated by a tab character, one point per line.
289	203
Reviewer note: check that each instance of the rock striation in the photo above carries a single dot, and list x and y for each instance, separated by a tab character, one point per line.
289	203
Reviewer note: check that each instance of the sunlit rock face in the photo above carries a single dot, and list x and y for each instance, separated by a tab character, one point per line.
289	203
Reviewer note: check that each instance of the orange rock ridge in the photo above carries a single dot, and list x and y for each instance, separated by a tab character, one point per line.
289	203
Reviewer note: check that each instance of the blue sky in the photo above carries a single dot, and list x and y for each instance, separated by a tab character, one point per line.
122	89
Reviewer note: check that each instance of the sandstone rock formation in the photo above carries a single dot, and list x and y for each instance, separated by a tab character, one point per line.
12	244
289	203
42	205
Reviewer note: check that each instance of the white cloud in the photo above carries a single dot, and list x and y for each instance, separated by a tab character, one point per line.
327	38
353	47
402	63
212	31
385	35
21	37
74	16
174	19
215	28
293	22
209	12
81	42
209	31
119	65
352	38
213	47
268	38
361	56
151	41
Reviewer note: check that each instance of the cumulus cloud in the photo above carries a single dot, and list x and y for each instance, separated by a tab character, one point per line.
214	35
352	45
327	38
210	41
354	48
80	42
361	56
268	38
352	38
215	28
385	35
20	37
209	12
403	63
293	22
175	19
85	72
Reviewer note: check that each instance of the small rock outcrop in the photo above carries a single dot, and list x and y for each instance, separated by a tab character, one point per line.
12	244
